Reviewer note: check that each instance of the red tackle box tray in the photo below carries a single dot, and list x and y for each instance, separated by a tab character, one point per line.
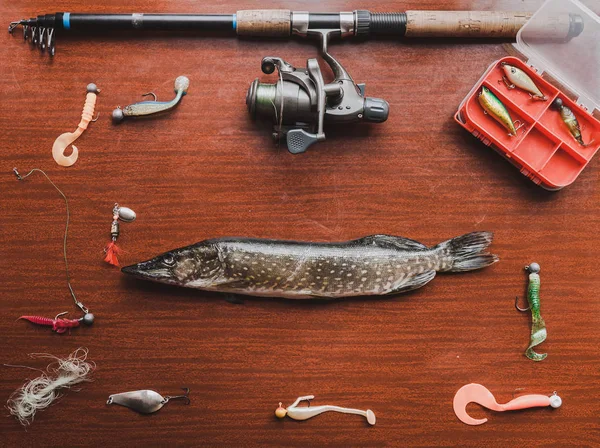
543	149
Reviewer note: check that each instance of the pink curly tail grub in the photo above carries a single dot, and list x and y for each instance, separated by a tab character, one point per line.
476	393
64	140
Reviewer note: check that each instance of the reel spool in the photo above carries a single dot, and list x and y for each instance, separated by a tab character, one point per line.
300	103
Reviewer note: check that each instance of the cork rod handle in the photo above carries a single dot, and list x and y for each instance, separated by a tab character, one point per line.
264	22
501	24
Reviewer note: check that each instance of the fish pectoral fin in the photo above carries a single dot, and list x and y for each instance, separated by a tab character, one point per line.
415	282
392	242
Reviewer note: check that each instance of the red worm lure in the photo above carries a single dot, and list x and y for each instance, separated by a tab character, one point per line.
58	324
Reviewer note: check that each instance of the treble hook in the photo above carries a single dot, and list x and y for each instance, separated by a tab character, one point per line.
183	397
476	393
66	139
143	108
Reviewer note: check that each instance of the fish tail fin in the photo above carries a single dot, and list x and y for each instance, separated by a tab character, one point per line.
468	252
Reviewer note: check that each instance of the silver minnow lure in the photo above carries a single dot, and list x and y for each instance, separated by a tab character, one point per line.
373	265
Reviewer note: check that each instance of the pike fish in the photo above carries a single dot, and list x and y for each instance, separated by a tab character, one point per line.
518	78
373	265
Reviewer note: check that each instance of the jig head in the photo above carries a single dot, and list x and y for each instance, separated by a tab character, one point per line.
64	140
305	412
476	393
145	401
182	84
300	103
538	326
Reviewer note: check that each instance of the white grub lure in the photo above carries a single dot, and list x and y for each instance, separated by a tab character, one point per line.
64	140
538	326
145	401
476	393
39	393
305	412
570	120
515	77
111	251
370	266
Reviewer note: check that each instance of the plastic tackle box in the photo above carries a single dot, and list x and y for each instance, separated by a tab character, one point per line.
544	149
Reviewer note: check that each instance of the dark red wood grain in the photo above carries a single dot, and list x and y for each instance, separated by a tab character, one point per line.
206	170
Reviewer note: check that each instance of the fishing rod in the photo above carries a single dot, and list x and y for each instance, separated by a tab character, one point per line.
282	23
300	103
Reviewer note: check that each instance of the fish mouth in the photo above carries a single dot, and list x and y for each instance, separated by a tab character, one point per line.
150	270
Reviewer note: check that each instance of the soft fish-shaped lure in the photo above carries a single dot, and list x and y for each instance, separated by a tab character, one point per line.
538	326
515	77
494	107
568	117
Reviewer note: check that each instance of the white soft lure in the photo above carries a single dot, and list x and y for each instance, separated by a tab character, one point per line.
305	412
40	392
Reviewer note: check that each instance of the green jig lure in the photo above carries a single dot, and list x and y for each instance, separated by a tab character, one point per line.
538	326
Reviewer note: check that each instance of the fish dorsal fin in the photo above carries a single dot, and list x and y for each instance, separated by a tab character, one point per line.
392	242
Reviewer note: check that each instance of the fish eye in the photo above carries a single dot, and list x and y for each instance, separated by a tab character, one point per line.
513	71
168	261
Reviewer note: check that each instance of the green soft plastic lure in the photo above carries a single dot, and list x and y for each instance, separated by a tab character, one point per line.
538	326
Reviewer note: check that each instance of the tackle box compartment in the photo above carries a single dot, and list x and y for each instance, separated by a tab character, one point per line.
543	149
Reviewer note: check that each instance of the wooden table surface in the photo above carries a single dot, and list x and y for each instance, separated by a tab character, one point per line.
206	170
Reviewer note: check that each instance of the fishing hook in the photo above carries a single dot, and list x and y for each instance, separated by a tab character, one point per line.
151	93
184	397
517	305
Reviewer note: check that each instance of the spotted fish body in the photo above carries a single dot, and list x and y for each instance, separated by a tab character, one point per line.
570	120
520	79
538	326
373	265
494	107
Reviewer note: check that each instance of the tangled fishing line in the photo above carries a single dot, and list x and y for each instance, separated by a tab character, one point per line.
40	392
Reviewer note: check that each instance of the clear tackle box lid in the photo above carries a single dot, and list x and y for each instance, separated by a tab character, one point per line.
562	39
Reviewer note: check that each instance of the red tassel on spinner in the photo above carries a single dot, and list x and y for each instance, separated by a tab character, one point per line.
112	250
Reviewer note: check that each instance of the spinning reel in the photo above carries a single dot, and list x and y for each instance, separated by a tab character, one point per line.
300	103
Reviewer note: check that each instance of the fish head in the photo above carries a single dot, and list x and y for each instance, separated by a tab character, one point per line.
196	265
509	70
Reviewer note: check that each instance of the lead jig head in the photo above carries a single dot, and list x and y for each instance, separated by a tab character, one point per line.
300	103
182	84
146	401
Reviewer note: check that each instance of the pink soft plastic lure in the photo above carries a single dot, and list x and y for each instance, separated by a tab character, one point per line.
476	393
